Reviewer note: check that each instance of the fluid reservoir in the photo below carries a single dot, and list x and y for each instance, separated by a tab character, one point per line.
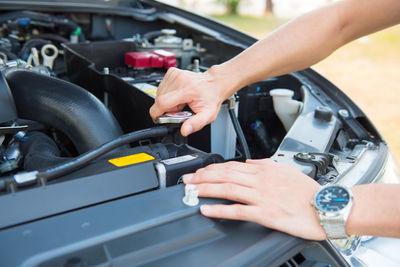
285	106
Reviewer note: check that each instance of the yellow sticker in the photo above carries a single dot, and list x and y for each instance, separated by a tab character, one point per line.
152	92
131	159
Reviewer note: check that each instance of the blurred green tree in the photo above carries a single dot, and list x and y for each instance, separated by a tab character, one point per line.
231	5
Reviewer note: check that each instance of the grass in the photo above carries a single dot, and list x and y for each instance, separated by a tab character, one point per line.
368	70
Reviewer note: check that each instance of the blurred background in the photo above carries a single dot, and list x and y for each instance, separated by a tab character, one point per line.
367	69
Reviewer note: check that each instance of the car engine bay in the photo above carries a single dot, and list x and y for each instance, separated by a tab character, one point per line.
76	88
75	131
65	96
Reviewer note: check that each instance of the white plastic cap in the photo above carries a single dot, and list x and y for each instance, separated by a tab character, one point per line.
191	195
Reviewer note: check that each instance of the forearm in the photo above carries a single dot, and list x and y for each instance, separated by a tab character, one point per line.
376	210
295	46
307	40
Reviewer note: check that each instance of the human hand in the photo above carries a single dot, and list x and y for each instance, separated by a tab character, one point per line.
203	92
272	194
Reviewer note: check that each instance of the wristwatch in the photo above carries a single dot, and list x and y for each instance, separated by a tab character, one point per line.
333	204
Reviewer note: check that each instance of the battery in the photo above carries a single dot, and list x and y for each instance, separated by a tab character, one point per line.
170	171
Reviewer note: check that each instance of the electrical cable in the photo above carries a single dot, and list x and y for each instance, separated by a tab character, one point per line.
52	37
240	134
85	158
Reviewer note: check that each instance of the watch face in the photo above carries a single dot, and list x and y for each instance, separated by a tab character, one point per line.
332	199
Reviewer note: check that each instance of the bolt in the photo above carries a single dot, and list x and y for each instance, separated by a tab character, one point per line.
304	155
370	145
196	65
344	113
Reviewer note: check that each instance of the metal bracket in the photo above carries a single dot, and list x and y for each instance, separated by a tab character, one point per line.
323	162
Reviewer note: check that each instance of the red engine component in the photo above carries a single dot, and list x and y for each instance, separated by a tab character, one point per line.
155	59
168	58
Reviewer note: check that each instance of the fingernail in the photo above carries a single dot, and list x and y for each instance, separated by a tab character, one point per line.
188	129
205	209
187	178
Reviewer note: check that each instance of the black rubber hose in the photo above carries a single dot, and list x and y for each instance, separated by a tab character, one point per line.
82	160
52	37
40	151
10	55
149	36
64	106
240	135
85	158
34	42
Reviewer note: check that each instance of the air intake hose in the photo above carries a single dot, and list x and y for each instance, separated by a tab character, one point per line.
40	152
64	106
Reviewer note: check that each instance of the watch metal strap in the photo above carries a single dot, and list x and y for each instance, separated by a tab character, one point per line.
334	226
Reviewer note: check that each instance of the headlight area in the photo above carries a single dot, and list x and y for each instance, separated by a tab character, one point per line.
390	173
371	164
375	164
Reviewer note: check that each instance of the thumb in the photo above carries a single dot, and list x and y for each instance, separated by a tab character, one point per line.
197	122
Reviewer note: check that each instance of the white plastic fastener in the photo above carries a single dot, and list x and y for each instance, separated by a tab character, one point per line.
191	195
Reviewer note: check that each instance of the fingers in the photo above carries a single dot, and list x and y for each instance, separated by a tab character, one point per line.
179	88
218	177
234	166
233	212
223	173
167	102
228	191
198	121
